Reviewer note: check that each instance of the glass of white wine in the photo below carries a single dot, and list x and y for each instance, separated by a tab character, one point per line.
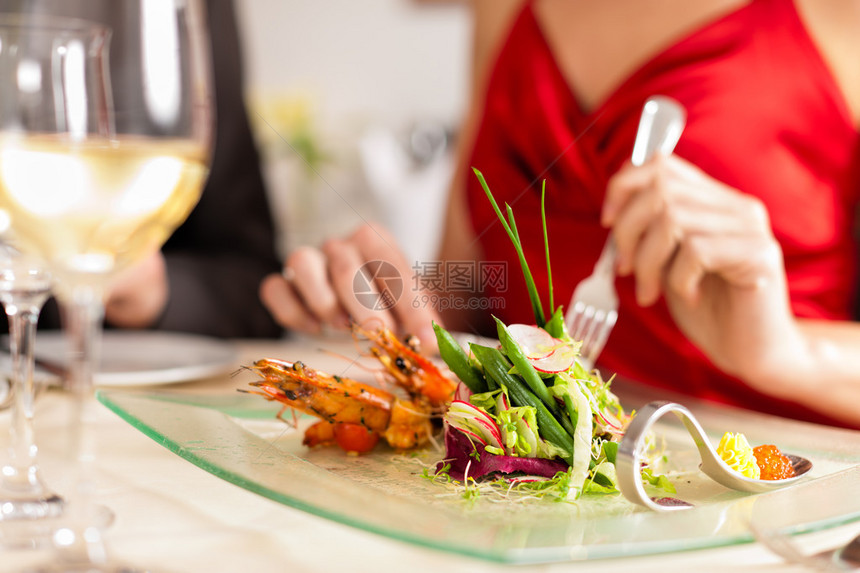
105	136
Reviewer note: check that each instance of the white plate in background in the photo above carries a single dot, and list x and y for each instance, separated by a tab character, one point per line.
145	358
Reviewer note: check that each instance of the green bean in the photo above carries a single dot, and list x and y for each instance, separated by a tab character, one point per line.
530	375
496	367
610	450
457	360
524	367
555	324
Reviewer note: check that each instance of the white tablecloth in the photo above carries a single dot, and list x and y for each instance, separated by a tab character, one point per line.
172	516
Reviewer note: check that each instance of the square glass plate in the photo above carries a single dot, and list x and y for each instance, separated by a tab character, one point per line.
236	438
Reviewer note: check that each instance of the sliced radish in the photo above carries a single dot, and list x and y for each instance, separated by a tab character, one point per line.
491	428
559	361
473	436
502	402
462	393
471	419
535	342
605	419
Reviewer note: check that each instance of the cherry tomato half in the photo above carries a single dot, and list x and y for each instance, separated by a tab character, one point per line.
354	437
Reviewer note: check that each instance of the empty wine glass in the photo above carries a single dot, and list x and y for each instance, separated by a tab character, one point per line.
101	158
26	502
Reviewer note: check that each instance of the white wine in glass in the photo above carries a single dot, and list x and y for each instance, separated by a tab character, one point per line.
105	138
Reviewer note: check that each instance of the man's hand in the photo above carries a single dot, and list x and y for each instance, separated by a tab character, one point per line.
137	296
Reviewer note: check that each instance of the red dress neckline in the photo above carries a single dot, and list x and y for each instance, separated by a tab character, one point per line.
678	44
644	66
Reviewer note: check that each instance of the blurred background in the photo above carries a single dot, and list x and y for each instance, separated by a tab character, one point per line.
355	107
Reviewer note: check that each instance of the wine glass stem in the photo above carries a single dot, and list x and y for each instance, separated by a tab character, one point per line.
82	542
23	314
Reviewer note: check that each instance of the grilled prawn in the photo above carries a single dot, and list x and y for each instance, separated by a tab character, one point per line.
354	414
336	400
411	370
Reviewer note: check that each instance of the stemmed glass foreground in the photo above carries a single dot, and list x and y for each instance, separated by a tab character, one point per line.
26	502
101	158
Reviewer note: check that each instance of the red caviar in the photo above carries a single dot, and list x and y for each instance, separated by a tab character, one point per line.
772	463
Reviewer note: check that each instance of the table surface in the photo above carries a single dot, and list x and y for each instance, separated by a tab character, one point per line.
174	517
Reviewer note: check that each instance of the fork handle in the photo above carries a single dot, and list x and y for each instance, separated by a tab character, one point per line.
660	127
606	261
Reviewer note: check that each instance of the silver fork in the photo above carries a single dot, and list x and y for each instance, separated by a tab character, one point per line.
593	309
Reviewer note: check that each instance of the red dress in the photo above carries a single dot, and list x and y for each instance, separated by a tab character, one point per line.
765	116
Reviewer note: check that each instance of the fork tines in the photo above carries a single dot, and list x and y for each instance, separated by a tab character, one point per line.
592	326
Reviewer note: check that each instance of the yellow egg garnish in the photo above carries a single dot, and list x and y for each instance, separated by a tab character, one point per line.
736	451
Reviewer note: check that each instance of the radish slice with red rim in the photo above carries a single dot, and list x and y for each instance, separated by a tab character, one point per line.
559	361
471	419
535	342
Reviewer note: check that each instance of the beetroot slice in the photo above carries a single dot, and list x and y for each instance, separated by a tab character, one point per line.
457	453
